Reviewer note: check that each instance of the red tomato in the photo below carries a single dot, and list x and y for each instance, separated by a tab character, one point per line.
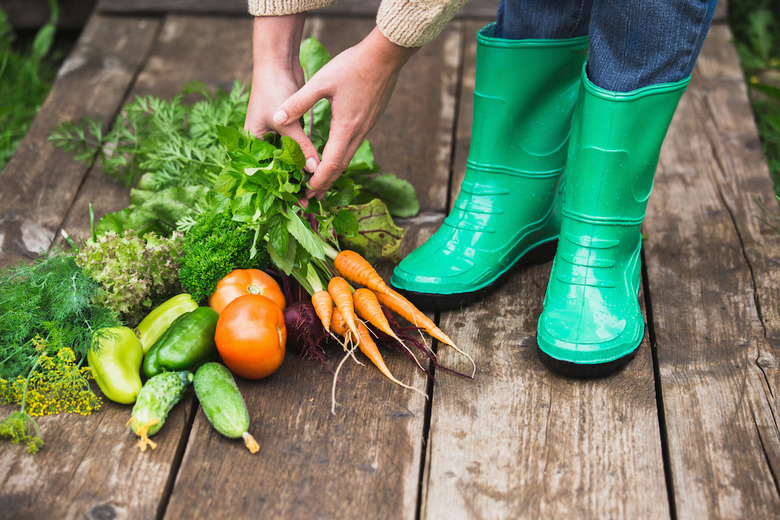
251	336
245	281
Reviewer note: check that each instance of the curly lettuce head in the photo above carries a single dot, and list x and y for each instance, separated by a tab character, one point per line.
136	273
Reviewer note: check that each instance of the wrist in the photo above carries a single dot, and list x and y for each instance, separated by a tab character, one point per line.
387	52
277	39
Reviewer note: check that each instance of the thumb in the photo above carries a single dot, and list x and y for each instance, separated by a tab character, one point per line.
287	117
297	105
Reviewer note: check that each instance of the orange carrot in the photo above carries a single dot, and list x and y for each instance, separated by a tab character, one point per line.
367	346
367	307
403	307
323	306
356	269
342	296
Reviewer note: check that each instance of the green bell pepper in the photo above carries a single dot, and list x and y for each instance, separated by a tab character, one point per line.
116	364
186	345
157	322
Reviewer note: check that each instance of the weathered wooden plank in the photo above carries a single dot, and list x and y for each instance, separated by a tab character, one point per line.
473	9
520	442
710	265
40	181
90	467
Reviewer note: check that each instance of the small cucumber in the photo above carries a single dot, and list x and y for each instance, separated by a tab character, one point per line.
222	403
154	401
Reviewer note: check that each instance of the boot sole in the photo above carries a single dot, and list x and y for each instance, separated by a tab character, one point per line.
584	370
442	302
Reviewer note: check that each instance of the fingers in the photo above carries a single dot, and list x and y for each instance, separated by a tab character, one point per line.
287	118
335	159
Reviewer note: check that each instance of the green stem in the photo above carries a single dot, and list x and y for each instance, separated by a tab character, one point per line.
26	384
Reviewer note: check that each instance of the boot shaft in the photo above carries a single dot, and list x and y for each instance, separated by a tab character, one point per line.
614	149
524	97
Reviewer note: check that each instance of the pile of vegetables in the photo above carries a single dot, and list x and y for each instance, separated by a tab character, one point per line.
212	267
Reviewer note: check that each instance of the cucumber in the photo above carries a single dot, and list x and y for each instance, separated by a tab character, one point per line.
222	403
154	401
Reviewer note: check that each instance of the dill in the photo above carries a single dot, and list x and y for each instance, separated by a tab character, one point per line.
52	299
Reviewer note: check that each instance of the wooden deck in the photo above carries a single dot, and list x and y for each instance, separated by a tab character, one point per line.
688	430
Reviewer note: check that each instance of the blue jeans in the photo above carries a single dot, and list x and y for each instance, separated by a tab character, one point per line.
633	43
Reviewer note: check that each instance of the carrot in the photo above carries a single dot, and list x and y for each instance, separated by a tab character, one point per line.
403	307
367	346
323	306
356	269
342	296
339	326
368	308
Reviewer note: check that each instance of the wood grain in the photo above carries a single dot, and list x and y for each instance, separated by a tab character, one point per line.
520	442
708	260
40	182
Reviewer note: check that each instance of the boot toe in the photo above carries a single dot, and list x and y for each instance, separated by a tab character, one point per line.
599	337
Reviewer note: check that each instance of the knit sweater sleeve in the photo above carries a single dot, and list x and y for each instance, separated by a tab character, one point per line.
282	7
413	23
409	23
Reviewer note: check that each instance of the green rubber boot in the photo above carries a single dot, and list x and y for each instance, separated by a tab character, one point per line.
524	100
591	323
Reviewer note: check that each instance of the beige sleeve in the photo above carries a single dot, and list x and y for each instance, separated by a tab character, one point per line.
413	23
281	7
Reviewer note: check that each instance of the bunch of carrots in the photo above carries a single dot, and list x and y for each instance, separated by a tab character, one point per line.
342	311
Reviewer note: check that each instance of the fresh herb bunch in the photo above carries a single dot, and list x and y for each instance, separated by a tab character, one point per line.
136	273
57	384
163	147
52	299
172	143
215	245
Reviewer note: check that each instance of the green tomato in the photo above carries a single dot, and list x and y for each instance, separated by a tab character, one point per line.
116	364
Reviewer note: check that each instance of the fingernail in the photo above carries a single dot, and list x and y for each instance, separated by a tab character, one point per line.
311	164
280	117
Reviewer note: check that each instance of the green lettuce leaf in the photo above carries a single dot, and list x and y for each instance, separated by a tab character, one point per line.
378	238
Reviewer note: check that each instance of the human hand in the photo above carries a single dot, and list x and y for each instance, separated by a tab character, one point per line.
277	75
358	83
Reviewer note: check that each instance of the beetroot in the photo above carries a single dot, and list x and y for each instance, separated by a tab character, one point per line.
305	333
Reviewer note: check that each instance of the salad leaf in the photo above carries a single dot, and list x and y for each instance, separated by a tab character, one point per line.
399	195
378	237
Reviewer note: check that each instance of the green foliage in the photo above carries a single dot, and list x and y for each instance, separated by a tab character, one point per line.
756	28
172	142
378	237
214	246
20	427
53	300
161	212
136	273
26	75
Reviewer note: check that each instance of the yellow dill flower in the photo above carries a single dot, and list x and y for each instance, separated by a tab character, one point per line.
57	385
